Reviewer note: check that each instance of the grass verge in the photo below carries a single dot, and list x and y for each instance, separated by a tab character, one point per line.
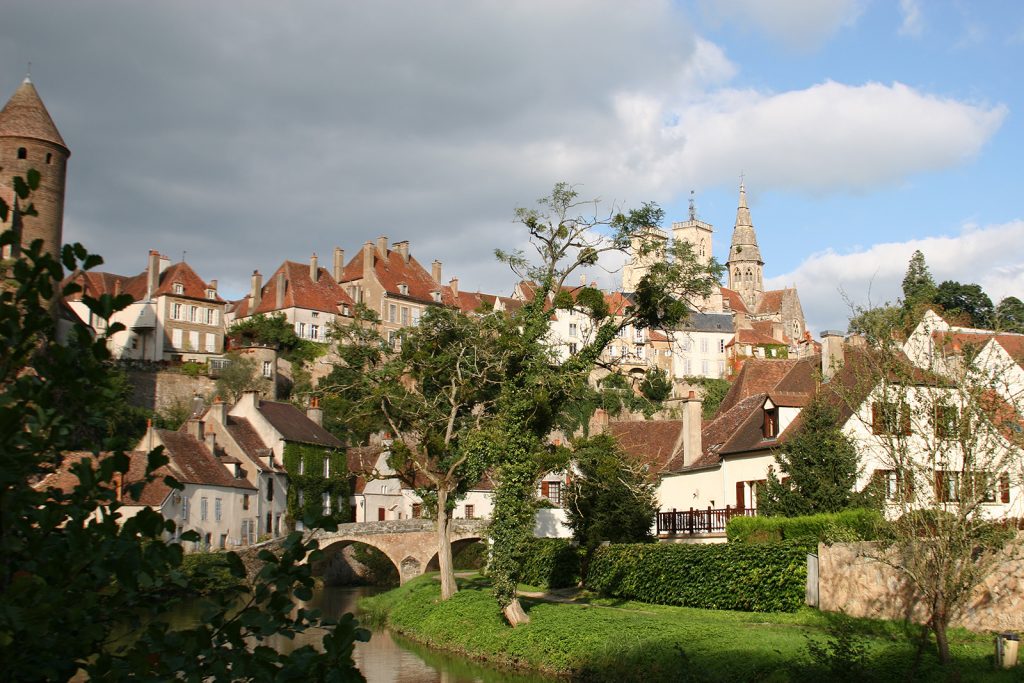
614	640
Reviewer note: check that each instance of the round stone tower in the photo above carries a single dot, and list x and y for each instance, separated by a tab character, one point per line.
30	140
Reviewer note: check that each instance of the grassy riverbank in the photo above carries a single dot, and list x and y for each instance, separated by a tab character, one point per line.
606	640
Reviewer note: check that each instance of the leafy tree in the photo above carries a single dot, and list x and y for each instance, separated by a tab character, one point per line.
241	374
75	574
819	467
1009	315
876	323
265	330
713	393
537	388
967	301
918	285
656	385
610	497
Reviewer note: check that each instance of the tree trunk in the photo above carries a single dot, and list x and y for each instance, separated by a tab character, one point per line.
941	640
444	545
515	614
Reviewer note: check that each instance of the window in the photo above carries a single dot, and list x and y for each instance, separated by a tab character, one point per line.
417	510
302	465
947	486
300	329
206	541
392	313
890	418
22	153
176	339
266	523
704	368
572	348
209	315
687	344
49	157
203	503
981	486
551	490
223	541
211	343
393	340
721	368
315	314
270	489
193	314
218	506
436	296
687	369
314	331
327	466
403	288
638	335
268	369
179	288
176	311
184	509
946	422
415	316
470	512
405	315
245	502
193	341
704	345
721	346
211	293
302	499
277	524
572	330
640	352
770	427
326	501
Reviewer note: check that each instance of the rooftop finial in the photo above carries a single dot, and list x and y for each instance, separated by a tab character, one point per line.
28	73
693	208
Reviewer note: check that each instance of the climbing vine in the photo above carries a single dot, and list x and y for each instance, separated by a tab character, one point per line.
305	466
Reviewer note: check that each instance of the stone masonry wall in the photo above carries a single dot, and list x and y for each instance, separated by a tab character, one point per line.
851	582
159	390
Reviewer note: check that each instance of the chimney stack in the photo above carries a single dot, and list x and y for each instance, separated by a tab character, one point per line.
213	286
256	294
152	274
218	412
194	428
210	438
280	290
832	353
165	262
314	268
435	271
339	263
403	249
693	422
382	246
368	256
454	284
315	413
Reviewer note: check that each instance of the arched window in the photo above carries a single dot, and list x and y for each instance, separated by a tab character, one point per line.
739	278
703	248
22	153
49	157
749	276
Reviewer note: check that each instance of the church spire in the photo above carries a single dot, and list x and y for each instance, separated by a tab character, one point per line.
745	267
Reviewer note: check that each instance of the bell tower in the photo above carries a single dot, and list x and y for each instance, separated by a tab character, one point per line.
30	140
746	269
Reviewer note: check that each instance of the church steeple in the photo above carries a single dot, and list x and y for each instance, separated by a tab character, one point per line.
745	265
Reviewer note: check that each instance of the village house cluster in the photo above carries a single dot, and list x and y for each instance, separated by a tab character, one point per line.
234	459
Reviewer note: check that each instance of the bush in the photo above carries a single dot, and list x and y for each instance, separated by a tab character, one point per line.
836	527
209	572
751	578
551	563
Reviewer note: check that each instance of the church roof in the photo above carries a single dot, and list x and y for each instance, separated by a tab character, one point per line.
25	116
744	239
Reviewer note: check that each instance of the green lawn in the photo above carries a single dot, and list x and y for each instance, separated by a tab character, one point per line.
608	640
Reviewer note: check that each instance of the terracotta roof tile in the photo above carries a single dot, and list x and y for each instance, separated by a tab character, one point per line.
300	291
96	283
194	463
654	443
771	301
734	300
758	376
393	270
154	493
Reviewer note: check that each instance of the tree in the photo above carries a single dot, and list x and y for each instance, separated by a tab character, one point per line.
946	443
966	301
610	497
918	285
75	574
872	322
265	330
819	467
239	375
537	388
1009	315
435	393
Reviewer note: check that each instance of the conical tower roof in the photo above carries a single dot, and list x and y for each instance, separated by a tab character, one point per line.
744	239
25	116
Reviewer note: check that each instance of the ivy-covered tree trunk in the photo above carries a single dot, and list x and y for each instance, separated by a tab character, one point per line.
510	531
444	543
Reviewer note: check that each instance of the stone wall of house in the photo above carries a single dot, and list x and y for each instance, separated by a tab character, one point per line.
851	581
160	390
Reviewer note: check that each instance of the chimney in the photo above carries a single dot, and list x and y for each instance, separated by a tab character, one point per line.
435	271
368	256
194	428
583	279
693	422
314	268
152	273
218	412
198	405
315	413
280	290
382	246
832	353
250	398
339	263
256	294
117	287
454	284
402	248
598	422
210	438
164	262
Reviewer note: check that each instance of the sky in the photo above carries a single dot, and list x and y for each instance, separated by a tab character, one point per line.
239	134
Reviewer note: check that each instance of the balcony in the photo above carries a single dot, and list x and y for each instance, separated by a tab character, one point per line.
699	522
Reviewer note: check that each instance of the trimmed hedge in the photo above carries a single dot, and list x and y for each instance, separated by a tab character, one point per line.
551	563
749	578
845	526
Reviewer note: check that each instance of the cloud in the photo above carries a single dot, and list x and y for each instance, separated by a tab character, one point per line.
871	277
913	19
795	24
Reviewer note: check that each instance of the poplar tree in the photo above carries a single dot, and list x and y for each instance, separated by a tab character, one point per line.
918	285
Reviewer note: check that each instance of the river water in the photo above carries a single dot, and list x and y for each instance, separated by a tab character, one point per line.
391	659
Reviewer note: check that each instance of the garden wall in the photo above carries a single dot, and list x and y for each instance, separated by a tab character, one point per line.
849	581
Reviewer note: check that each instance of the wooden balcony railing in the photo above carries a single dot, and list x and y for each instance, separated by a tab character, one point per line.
693	522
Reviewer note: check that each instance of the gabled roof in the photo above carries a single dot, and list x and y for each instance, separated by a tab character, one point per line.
300	291
193	463
25	116
707	322
654	443
96	283
772	300
154	493
245	435
392	271
293	425
734	299
754	338
758	376
954	341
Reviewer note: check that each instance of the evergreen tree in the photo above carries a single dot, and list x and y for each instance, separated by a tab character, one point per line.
1010	315
918	285
819	466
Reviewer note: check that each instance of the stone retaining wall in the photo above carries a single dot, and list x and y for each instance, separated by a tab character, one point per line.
850	581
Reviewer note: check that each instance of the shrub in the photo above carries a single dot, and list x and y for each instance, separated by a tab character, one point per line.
768	577
209	572
552	563
848	525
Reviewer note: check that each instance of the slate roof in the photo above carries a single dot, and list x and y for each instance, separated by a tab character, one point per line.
293	425
393	270
707	322
300	291
25	116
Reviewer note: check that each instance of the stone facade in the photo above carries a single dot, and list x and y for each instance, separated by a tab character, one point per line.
851	581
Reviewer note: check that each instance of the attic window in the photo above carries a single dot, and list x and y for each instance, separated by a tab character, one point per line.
403	288
211	294
770	429
22	153
436	295
179	288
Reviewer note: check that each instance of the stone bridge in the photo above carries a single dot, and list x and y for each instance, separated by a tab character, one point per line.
410	544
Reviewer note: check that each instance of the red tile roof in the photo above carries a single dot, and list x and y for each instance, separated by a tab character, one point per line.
657	444
193	463
96	283
771	301
734	299
245	435
153	494
758	376
392	271
300	291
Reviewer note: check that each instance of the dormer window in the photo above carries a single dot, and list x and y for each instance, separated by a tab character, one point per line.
179	288
345	310
770	428
436	294
211	294
403	288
